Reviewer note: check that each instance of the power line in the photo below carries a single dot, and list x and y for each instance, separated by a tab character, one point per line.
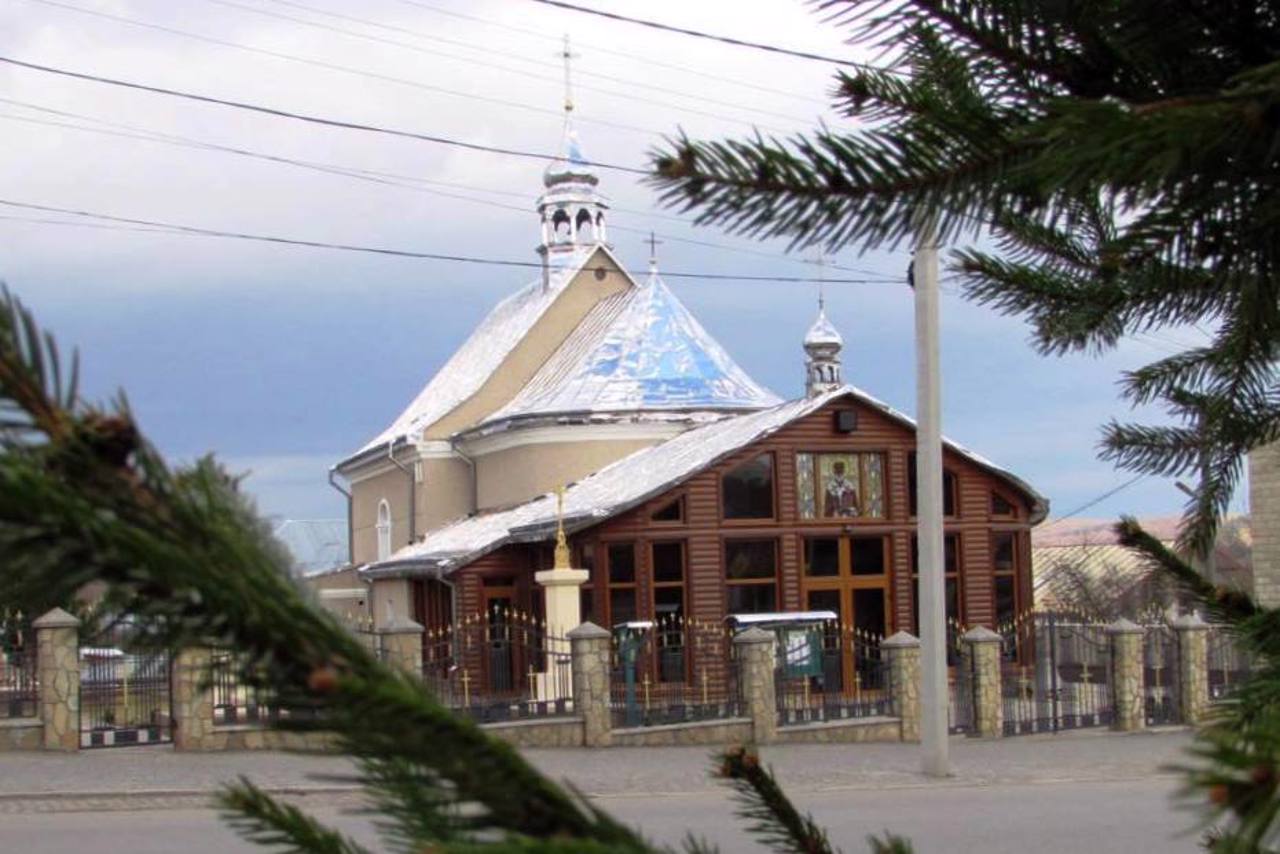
294	4
1103	497
303	117
436	53
385	178
401	253
799	54
332	66
647	60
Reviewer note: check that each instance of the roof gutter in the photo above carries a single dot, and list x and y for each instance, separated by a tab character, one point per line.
413	492
351	545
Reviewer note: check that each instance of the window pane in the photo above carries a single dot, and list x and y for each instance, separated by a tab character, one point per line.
822	557
1000	506
668	562
586	603
951	549
1006	600
952	595
1002	552
622	605
838	477
748	490
825	600
808	506
868	555
673	512
753	598
622	563
668	603
750	559
949	489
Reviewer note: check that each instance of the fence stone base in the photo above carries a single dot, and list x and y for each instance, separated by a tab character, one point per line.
253	737
721	732
858	731
21	734
561	732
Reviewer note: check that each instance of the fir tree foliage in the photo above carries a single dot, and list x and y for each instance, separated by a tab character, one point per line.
1123	157
185	561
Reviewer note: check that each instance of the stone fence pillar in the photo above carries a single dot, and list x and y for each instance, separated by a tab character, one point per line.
982	646
58	665
1193	667
192	699
903	653
590	649
401	640
1128	711
754	649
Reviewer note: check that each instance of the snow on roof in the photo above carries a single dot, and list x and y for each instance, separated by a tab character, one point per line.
482	353
822	332
626	483
640	351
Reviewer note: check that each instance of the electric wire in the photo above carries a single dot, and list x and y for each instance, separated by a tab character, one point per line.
386	178
406	253
656	25
304	117
1101	498
332	66
598	48
437	54
487	49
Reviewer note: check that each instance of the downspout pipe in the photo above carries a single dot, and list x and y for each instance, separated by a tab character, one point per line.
413	492
351	544
475	487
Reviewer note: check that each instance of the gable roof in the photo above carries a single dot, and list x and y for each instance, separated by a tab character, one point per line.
640	350
629	482
482	353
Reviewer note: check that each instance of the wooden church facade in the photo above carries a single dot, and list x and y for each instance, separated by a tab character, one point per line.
757	531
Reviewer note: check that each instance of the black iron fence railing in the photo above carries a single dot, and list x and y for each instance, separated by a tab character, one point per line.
1228	663
830	673
499	668
1063	680
125	695
673	671
1160	675
236	699
19	689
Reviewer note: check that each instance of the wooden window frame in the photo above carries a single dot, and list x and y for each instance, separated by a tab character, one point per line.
610	585
744	582
663	505
1014	512
773	489
1015	573
911	489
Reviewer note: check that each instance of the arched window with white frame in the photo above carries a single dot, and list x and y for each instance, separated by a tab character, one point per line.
384	530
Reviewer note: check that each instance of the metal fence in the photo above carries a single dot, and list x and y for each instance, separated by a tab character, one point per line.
238	700
1228	664
125	696
830	672
1063	679
500	667
673	671
960	695
19	690
1160	674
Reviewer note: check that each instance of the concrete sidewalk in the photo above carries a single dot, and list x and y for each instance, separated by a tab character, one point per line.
153	777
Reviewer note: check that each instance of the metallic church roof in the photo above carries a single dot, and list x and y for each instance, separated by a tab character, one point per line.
822	333
639	351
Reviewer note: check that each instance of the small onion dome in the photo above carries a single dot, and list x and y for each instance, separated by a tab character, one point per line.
822	333
570	166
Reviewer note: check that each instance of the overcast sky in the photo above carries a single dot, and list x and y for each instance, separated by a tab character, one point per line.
283	360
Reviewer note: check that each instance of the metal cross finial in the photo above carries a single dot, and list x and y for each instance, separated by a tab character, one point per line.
822	282
654	243
562	544
567	55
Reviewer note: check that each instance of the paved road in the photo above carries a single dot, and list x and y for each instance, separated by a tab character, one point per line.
1124	817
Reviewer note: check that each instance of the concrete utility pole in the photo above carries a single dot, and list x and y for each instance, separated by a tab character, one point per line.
933	627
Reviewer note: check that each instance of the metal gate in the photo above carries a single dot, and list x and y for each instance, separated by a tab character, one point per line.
1063	679
1160	676
125	696
960	700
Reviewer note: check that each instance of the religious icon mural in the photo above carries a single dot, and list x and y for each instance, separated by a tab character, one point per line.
840	486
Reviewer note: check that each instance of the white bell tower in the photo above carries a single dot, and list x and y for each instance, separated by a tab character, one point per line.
571	211
822	346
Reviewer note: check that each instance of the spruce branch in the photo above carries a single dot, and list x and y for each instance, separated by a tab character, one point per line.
259	818
773	817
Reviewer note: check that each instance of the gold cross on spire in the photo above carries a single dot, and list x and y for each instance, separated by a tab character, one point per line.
654	243
567	55
562	544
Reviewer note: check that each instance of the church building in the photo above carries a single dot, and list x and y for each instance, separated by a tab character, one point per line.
592	399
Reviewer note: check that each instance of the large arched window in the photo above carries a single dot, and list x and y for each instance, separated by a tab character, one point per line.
384	530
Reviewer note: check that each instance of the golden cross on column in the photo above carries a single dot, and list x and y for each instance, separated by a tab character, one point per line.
562	544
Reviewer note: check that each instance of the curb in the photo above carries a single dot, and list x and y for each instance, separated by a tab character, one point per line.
139	794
